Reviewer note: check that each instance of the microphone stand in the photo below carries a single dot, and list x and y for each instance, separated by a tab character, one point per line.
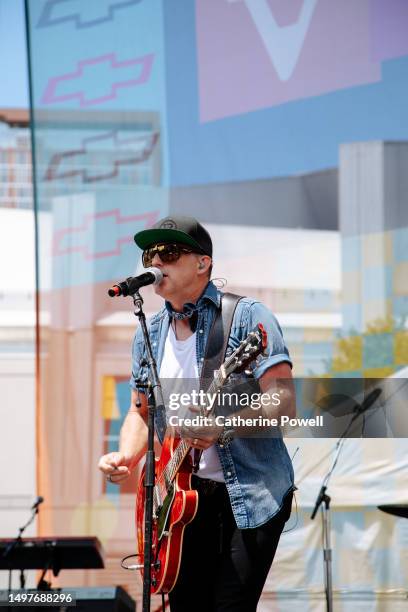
325	499
16	542
156	402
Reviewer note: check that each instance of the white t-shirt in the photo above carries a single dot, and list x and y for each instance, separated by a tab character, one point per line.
179	370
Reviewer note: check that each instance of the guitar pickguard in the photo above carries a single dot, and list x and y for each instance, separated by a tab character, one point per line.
164	512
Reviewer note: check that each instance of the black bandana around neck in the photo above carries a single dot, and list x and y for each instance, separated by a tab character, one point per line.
190	311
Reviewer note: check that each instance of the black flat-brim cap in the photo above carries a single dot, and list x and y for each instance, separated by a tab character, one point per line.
184	230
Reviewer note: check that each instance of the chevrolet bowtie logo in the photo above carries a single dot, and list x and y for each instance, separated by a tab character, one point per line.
109	224
127	151
73	85
82	13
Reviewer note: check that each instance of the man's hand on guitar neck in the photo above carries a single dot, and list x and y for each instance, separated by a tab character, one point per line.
201	437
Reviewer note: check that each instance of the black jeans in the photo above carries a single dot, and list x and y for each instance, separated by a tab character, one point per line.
223	568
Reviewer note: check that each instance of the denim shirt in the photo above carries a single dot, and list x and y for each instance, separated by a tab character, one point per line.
258	471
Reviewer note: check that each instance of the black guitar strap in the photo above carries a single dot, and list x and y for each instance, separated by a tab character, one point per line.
218	337
217	346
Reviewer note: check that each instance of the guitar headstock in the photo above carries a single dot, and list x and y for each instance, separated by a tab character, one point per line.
249	349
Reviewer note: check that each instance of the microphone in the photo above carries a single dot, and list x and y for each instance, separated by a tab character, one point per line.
339	405
368	401
152	276
37	502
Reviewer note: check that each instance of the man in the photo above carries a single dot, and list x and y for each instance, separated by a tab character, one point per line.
245	486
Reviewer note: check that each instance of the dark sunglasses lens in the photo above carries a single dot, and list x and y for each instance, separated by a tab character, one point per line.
147	259
167	253
170	253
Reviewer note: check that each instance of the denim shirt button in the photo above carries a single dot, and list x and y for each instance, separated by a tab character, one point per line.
229	474
201	331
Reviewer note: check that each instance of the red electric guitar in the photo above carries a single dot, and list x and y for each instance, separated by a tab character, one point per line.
174	501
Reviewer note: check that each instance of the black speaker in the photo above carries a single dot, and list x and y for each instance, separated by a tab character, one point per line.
92	599
103	599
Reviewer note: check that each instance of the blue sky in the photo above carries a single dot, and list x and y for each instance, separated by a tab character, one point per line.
13	64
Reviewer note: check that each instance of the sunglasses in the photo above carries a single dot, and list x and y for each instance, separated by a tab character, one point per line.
168	253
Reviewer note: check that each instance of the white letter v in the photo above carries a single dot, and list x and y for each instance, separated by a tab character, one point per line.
283	44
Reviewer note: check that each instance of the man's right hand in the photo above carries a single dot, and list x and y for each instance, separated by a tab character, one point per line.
116	467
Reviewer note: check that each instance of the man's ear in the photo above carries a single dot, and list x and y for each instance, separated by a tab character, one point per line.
202	262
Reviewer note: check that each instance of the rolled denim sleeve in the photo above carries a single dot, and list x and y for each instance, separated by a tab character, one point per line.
138	372
276	351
